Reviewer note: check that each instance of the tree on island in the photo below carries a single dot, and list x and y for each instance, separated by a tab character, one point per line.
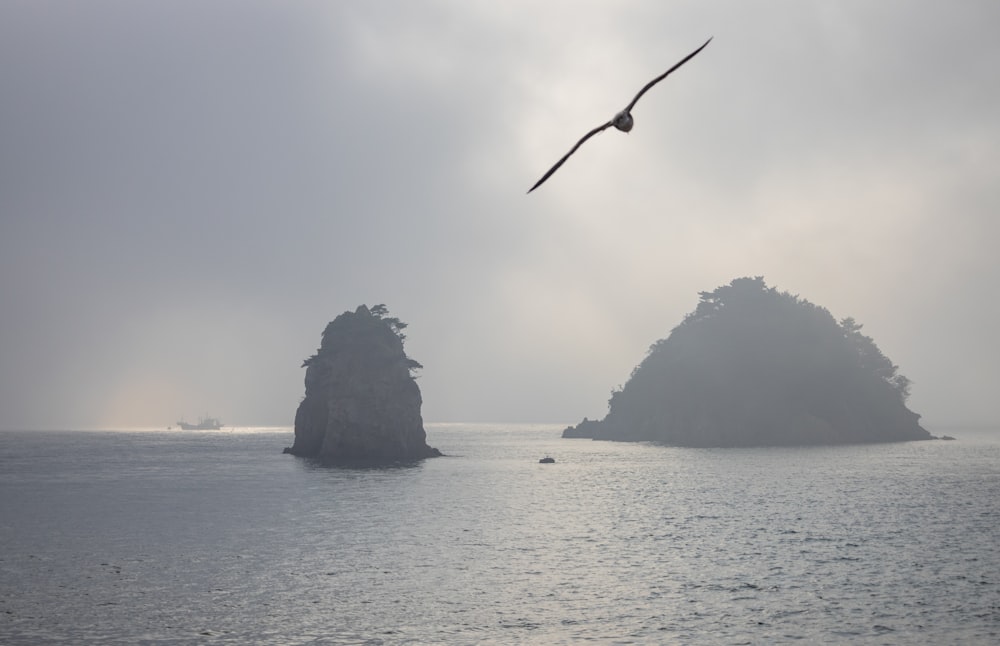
752	366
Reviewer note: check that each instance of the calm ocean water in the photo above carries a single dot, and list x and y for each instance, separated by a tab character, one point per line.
215	537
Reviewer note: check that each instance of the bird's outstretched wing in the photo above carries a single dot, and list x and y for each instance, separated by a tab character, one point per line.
664	75
572	150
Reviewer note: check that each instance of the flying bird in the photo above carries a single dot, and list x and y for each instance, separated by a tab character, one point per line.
623	120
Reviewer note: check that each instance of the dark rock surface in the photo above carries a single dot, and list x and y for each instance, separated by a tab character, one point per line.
752	366
362	403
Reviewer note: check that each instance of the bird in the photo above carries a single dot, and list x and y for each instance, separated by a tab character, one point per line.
622	121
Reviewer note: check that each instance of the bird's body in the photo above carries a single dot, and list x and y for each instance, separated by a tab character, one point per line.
622	121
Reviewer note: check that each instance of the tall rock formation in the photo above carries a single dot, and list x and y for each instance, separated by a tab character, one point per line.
752	366
362	404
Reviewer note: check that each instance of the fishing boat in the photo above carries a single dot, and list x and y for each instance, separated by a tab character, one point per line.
204	424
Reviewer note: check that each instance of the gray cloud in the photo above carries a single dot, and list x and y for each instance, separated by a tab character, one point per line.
189	192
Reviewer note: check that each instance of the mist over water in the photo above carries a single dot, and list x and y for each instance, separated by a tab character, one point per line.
215	537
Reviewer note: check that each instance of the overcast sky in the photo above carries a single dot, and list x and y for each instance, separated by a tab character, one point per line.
190	191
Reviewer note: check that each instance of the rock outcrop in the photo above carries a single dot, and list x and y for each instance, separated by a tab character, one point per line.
362	404
752	366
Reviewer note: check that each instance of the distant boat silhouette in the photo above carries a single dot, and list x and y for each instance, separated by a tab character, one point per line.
204	424
547	460
623	120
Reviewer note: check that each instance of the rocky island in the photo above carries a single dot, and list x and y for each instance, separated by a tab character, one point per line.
362	403
751	366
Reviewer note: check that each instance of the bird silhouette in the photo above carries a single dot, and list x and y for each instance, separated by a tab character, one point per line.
623	120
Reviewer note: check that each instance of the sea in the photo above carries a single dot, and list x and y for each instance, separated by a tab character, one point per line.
151	536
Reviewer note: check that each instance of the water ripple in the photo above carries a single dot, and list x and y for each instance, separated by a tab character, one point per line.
121	539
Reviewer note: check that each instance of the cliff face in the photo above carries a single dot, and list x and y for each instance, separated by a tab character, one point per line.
752	366
362	405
